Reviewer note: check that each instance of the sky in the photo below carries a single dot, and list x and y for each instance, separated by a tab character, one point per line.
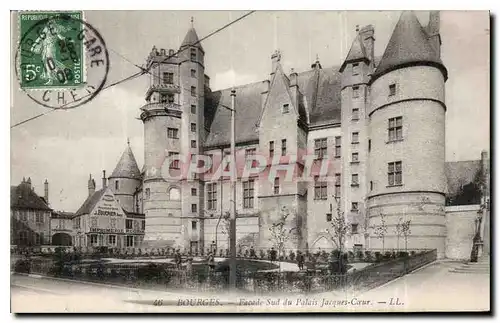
66	146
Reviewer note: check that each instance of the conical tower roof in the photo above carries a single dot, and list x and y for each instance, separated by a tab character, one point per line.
191	39
356	53
408	45
127	166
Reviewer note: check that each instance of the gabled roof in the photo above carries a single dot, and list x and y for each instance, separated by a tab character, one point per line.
356	53
127	166
90	202
23	197
191	39
408	45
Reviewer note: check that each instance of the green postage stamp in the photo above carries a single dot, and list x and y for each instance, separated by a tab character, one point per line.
51	50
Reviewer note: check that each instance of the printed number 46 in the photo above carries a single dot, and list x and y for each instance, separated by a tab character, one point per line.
31	72
158	302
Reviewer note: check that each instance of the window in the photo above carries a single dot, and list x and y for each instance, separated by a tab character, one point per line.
93	222
355	69
355	92
93	239
354	180
112	223
40	238
328	217
193	73
354	207
320	189
174	194
355	114
193	143
23	238
193	225
175	163
355	137
248	193
194	208
338	144
354	228
395	173
271	149
170	98
173	133
226	158
286	108
392	89
276	185
250	152
283	147
193	127
128	224
143	225
193	109
112	240
130	241
211	196
24	216
117	185
194	192
337	185
38	217
320	149
396	128
168	78
371	185
148	193
193	90
193	54
355	158
369	145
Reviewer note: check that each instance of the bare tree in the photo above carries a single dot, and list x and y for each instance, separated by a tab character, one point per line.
280	233
406	231
339	230
398	231
381	230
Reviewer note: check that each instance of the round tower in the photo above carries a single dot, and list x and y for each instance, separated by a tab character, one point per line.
406	131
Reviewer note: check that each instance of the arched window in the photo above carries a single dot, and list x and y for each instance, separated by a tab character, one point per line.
174	194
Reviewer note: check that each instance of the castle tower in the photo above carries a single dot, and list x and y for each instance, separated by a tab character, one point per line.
406	128
125	179
173	125
356	71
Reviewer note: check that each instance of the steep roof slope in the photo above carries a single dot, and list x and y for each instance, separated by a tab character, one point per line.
127	166
23	197
191	39
90	202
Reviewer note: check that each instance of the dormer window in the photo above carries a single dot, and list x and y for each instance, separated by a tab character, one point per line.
392	89
355	69
286	108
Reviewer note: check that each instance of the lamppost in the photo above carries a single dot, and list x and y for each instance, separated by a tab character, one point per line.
476	241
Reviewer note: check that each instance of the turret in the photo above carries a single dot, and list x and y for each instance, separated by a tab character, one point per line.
91	185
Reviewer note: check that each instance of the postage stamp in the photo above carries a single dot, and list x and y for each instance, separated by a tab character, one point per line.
61	61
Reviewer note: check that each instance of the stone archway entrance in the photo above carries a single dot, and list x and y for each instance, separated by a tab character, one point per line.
61	239
322	243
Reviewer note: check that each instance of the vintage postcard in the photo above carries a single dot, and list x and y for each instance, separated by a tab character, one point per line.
250	161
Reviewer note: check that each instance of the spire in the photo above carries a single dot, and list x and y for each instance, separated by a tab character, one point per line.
316	64
357	51
409	45
191	38
127	166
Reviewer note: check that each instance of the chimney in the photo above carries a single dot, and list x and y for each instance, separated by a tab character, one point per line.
275	59
367	34
433	31
293	78
104	179
294	87
91	185
46	191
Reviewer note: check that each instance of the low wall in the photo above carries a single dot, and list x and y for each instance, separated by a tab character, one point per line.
460	227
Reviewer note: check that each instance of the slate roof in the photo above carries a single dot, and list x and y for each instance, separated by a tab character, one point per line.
90	202
460	173
356	53
127	166
409	44
191	38
23	197
62	215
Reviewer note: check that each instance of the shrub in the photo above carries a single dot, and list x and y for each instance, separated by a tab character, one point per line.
378	256
402	254
350	255
368	256
22	266
387	255
324	256
413	253
246	253
220	253
291	256
359	255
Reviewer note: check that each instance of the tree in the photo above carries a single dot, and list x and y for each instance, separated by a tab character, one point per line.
339	229
406	231
381	230
280	233
398	231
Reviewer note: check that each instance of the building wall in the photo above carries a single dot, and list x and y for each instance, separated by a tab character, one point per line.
125	192
460	225
25	220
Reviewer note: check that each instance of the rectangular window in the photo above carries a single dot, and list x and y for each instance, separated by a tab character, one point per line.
355	92
337	185
395	173
355	114
128	224
93	239
193	127
320	189
328	217
193	54
194	208
286	108
369	145
371	185
283	147
193	143
271	149
354	180
112	240
175	163
320	148
173	133
248	194
117	185
168	78
163	98
170	98
193	225
193	73
143	225
338	143
392	89
395	128
355	137
193	90
355	157
355	69
211	196
354	228
193	109
354	207
38	217
249	153
276	185
130	241
194	192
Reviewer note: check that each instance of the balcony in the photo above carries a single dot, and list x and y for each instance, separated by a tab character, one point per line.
163	88
160	109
